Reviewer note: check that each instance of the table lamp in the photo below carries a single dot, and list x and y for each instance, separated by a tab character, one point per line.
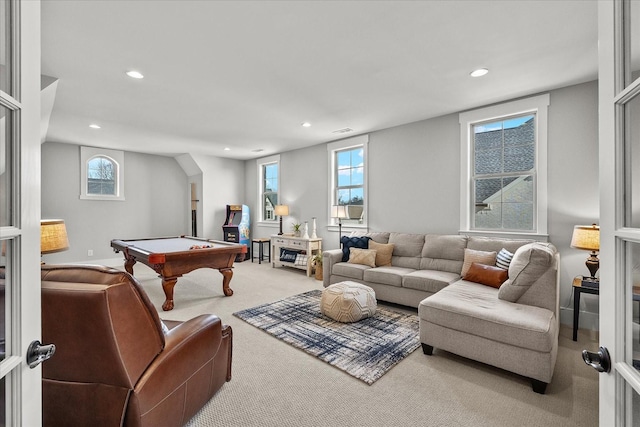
587	237
281	210
53	236
339	211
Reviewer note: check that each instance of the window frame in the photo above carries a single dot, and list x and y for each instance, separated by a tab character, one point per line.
89	153
261	163
361	141
537	105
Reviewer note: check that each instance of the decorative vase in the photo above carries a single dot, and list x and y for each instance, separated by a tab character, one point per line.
319	275
306	230
313	230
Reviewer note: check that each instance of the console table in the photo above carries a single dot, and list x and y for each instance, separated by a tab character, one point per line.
311	247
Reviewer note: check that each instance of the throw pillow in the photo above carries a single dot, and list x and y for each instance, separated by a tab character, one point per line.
302	259
529	263
287	255
362	256
504	259
481	257
486	275
384	253
353	242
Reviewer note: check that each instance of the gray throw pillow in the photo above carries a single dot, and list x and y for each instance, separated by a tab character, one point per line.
529	263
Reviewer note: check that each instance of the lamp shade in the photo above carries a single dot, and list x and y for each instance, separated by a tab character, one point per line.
53	236
339	211
281	210
586	237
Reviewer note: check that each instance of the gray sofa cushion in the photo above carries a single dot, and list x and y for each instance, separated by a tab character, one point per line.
407	249
529	264
429	280
494	244
346	269
477	310
380	237
443	252
386	275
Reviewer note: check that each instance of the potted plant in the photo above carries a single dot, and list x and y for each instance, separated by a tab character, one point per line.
296	229
317	263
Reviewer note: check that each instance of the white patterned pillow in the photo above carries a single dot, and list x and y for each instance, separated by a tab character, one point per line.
504	259
481	257
302	259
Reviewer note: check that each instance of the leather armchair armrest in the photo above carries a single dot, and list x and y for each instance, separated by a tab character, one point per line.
188	347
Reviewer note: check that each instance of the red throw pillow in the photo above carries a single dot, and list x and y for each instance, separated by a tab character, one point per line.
489	275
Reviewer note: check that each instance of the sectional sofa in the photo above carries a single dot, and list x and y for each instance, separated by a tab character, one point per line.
506	316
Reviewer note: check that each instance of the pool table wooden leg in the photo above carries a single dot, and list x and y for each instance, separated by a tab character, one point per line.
167	286
128	264
227	274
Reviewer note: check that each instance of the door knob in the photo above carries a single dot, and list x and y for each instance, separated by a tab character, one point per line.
38	353
599	361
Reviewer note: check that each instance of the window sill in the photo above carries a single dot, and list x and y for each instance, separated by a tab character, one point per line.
114	198
273	224
507	234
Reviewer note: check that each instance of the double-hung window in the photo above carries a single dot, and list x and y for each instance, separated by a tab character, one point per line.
503	150
268	187
348	189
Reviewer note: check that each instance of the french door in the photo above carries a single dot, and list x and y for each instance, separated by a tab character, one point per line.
619	152
20	386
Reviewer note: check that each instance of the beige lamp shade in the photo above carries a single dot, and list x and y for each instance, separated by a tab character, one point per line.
586	237
53	236
339	211
281	210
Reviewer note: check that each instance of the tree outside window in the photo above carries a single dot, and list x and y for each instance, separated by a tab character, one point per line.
102	175
270	190
350	182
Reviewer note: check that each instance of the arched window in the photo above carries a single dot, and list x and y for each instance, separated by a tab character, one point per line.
102	174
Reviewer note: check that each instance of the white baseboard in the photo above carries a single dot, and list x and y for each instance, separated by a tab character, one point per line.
109	262
589	321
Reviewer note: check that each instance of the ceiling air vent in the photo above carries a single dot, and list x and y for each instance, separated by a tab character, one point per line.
345	130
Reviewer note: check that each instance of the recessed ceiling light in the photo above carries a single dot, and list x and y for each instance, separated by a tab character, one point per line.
227	149
306	124
135	74
94	126
479	72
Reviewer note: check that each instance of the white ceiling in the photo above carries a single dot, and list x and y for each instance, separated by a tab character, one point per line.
246	74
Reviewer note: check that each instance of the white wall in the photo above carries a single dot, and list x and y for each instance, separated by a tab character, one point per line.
156	203
414	182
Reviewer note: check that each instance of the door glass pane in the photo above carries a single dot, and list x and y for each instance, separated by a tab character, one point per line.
633	281
635	39
5	167
5	47
632	160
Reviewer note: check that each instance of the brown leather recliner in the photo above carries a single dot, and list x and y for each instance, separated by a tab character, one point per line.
113	365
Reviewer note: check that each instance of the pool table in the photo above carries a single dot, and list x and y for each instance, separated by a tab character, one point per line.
171	257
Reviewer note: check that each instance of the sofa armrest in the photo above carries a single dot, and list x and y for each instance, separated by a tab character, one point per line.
329	258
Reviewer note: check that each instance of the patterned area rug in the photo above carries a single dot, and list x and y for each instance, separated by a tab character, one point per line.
366	349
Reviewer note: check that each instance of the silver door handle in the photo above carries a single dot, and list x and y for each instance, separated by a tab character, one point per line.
38	353
599	361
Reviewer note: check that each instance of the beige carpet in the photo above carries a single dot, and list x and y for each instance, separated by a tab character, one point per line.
275	384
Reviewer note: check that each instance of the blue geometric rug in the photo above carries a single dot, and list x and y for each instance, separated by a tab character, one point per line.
366	349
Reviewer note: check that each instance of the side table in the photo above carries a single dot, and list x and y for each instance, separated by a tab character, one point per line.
261	243
577	290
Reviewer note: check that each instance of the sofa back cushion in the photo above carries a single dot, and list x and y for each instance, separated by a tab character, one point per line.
378	236
443	252
407	249
491	244
532	275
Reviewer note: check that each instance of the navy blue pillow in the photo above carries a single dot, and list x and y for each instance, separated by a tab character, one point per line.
288	255
353	242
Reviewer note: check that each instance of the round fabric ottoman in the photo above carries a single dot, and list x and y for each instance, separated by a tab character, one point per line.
348	302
